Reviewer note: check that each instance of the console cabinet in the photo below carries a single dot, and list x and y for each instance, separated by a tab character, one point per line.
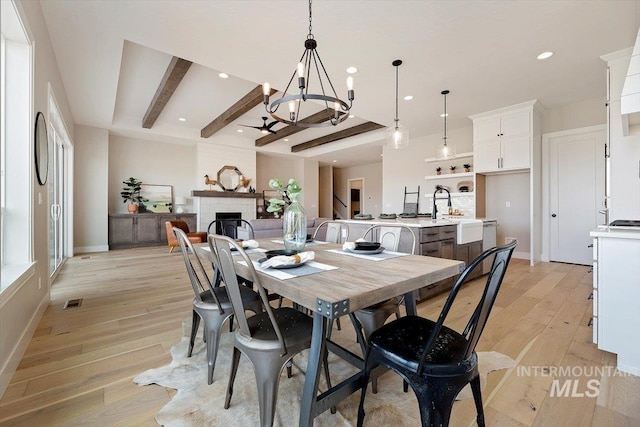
134	230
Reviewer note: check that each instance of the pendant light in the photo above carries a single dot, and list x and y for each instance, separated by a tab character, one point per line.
397	136
336	108
447	150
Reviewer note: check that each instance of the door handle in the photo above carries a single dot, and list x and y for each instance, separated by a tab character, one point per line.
553	215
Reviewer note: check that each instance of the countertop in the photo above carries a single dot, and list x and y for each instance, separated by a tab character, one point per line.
414	222
616	232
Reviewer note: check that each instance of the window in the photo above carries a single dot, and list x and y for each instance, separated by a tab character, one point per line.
16	142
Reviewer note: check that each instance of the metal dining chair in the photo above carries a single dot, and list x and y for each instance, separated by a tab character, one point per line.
366	320
435	360
269	339
229	227
211	304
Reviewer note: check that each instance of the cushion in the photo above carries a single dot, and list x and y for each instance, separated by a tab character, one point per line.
266	223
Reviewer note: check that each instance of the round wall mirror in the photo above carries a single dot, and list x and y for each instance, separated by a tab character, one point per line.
229	178
41	149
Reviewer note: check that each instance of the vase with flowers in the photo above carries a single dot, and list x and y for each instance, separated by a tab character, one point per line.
294	218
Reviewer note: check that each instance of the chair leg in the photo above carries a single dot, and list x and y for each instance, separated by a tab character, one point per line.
435	402
212	352
231	323
365	383
477	397
195	323
289	365
235	361
267	371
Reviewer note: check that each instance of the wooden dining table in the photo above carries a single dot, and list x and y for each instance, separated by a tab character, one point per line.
356	283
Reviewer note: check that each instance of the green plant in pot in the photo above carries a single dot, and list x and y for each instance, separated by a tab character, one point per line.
452	169
438	170
467	167
131	194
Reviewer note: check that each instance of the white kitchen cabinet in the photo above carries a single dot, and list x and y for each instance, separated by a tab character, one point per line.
616	292
502	139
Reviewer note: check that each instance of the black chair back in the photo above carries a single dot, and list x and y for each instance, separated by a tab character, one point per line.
229	227
478	320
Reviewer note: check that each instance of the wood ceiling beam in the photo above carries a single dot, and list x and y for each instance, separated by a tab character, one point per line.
352	131
319	117
245	104
176	71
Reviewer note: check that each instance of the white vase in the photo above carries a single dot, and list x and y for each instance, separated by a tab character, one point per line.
294	224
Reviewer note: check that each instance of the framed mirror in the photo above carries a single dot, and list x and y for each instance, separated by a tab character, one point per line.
229	178
41	149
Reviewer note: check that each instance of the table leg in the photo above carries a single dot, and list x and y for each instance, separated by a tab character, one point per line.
410	303
312	377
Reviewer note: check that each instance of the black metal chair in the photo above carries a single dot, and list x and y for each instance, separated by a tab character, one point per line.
211	304
435	360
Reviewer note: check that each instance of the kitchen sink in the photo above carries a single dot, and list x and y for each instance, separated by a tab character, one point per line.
469	230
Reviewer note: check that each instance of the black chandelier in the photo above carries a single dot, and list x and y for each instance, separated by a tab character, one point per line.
309	61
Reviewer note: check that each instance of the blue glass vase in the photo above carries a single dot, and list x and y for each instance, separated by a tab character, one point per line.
294	224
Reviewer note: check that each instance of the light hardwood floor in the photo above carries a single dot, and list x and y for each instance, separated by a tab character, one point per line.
79	366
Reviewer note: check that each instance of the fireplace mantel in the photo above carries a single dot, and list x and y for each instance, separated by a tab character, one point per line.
214	193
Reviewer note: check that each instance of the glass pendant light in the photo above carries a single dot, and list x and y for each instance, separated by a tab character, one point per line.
397	136
446	150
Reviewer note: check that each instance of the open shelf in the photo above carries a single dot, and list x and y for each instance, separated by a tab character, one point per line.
458	156
450	175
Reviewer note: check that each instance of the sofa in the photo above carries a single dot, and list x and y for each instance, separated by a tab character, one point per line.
272	227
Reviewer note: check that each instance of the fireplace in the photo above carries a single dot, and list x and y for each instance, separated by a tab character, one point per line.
208	204
227	223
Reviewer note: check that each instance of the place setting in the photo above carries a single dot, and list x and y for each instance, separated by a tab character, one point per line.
361	248
250	247
286	263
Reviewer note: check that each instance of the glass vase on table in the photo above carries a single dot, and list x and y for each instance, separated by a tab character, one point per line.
294	224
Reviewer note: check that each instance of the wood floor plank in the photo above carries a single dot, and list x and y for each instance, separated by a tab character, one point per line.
79	365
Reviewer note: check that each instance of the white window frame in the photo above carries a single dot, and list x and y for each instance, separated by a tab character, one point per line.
16	242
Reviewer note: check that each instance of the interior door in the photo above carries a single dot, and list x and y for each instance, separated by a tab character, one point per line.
576	192
57	204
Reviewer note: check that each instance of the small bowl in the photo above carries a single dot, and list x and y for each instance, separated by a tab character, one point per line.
367	246
277	252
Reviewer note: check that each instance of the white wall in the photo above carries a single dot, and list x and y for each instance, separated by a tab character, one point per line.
406	167
573	116
371	196
91	189
325	195
151	162
22	307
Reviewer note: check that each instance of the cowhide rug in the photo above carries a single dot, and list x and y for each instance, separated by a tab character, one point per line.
198	404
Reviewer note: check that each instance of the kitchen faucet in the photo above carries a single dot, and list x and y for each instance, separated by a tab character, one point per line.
434	212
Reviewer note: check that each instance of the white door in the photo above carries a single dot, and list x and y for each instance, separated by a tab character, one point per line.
576	192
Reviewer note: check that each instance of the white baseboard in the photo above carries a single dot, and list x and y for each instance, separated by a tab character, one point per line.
86	249
12	362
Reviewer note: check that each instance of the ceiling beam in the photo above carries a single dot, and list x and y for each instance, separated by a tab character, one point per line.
176	71
319	117
245	104
352	131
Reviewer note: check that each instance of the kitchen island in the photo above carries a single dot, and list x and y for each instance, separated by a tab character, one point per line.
616	294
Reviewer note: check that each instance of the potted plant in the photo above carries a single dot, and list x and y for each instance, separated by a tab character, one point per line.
131	194
452	169
438	170
467	167
294	218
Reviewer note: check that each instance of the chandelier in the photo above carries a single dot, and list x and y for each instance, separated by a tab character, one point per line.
446	150
397	136
310	62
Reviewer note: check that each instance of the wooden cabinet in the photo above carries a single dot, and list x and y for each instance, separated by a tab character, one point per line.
467	252
133	230
502	141
439	242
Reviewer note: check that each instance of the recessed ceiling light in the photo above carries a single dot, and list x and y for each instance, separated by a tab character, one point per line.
545	55
182	119
351	116
444	115
408	97
352	70
286	140
223	75
239	131
335	161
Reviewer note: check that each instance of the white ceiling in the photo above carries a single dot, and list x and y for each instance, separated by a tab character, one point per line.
112	56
